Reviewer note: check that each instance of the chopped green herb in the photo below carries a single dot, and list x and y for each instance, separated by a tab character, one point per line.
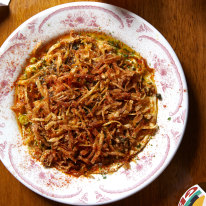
33	60
159	96
114	43
126	50
125	55
104	176
132	54
139	145
23	119
33	69
137	158
169	118
23	76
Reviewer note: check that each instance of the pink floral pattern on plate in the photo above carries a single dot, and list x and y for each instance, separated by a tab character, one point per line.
128	17
2	149
143	28
80	18
172	115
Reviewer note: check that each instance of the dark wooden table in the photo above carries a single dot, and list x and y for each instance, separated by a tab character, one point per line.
183	23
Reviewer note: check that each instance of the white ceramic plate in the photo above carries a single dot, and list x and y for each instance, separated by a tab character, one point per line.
172	115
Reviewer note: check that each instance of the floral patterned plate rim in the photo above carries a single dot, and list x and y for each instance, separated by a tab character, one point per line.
172	115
